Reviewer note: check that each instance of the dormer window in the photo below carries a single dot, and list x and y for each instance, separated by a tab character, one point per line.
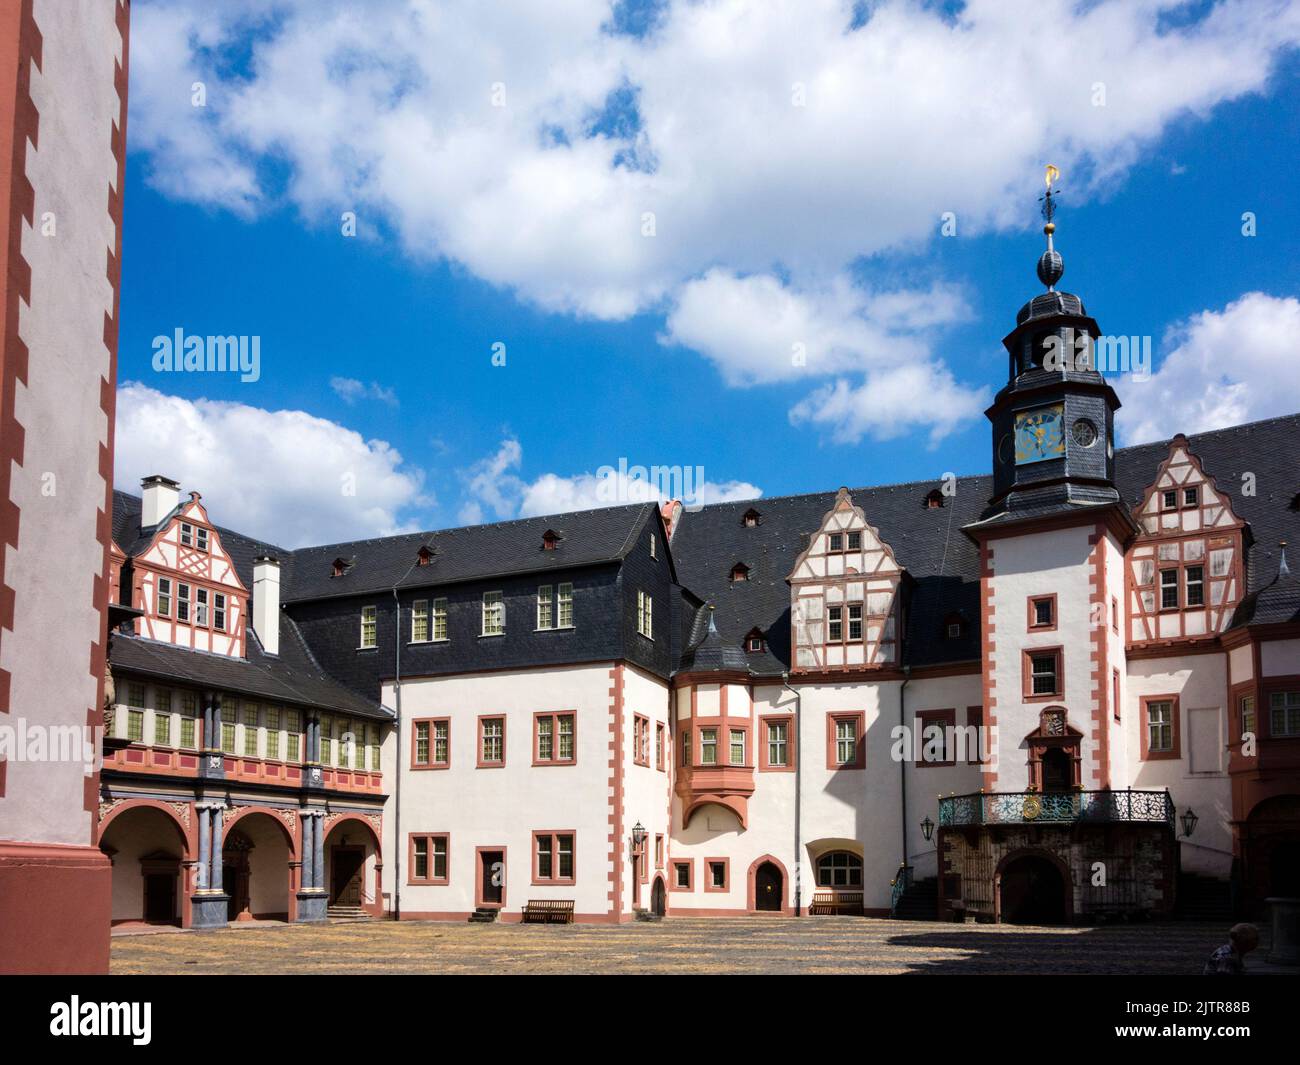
550	540
739	572
953	626
750	518
933	499
1295	501
754	642
340	567
424	556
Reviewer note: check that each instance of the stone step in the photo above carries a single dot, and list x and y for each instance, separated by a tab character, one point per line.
483	915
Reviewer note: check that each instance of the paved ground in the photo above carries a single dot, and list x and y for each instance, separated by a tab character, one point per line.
678	945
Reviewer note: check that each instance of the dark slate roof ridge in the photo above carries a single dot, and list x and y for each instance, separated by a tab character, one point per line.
143	539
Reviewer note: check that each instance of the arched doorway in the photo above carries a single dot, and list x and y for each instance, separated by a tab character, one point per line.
1031	889
352	868
769	888
658	898
256	854
147	847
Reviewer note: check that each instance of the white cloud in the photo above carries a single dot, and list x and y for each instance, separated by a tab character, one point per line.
280	475
388	110
1224	368
497	491
350	390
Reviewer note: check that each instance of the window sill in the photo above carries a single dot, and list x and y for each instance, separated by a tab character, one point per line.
422	643
490	635
555	628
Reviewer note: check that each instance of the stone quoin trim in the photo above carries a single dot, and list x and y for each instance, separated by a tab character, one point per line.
614	896
1099	770
988	648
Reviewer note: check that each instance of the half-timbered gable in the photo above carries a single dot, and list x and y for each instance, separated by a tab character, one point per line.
1185	569
187	587
844	595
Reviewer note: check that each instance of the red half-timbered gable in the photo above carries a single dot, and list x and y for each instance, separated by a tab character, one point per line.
186	585
1185	570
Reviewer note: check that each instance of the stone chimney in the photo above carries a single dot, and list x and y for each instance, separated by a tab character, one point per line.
160	496
266	602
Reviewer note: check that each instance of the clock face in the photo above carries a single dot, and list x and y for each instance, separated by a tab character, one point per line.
1040	434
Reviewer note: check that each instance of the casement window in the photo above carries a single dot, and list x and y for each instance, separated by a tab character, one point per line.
273	733
1160	725
1169	500
420	621
708	746
845	746
293	731
491	741
683	875
135	726
201	607
1191	497
164	597
194	536
201	538
134	694
1042	612
686	748
553	739
754	644
250	729
839	869
659	851
429	859
640	740
836	542
854	541
564	606
182	602
717	872
855	622
422	741
545	607
228	737
187	534
369	627
1169	589
835	624
189	713
375	752
659	745
440	619
162	717
1044	670
494	614
954	630
736	754
219	611
553	858
778	744
1246	716
1284	714
937	738
644	615
326	741
1194	586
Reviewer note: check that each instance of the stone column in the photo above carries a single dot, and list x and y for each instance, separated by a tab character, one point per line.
205	846
308	862
312	900
318	853
218	833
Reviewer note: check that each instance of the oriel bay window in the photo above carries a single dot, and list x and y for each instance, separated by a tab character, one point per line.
553	857
553	736
708	746
736	755
491	742
293	735
249	715
428	862
1284	714
162	717
1246	715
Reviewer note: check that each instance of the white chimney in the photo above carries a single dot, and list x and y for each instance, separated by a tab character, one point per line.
266	602
160	496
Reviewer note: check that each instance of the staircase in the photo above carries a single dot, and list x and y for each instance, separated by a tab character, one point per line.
347	913
484	915
1203	898
920	902
642	914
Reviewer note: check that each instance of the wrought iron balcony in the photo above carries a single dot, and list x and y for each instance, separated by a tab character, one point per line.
1056	808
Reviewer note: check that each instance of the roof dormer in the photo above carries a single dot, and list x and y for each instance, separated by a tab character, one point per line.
751	518
550	540
340	566
424	556
739	572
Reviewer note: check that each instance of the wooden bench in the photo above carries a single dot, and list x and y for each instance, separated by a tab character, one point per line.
837	902
550	911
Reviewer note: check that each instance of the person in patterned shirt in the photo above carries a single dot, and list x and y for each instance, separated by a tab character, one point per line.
1229	959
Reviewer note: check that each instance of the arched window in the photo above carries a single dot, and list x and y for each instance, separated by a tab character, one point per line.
839	869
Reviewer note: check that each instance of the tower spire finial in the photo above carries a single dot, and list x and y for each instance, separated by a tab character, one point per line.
1051	266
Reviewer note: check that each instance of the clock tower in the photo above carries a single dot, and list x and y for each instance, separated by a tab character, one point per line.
1053	422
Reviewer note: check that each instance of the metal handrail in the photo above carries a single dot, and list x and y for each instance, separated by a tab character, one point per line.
898	887
1056	807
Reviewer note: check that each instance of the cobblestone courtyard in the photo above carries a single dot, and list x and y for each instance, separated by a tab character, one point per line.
679	945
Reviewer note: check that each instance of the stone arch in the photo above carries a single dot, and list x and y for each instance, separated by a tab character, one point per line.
752	896
290	835
151	853
369	883
733	803
258	885
188	844
1061	866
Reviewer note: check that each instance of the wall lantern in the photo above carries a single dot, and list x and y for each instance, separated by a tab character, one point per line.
927	828
1189	820
638	836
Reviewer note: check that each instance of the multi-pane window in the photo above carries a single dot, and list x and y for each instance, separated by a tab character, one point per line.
187	534
682	875
1284	713
855	541
326	740
554	855
718	875
737	752
228	737
855	621
1247	715
219	612
1160	725
846	740
420	621
1194	586
1044	679
640	740
422	738
1043	612
545	607
182	602
135	694
201	538
708	746
494	614
778	743
1170	500
659	744
644	615
273	732
293	728
564	606
686	748
837	541
492	741
135	726
441	742
554	741
189	712
429	859
839	869
835	624
201	607
372	731
164	597
369	626
1191	497
1168	589
250	729
162	717
440	619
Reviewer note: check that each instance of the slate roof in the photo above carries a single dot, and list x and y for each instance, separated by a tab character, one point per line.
944	564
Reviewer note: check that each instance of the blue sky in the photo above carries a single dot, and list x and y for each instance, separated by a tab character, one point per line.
816	224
